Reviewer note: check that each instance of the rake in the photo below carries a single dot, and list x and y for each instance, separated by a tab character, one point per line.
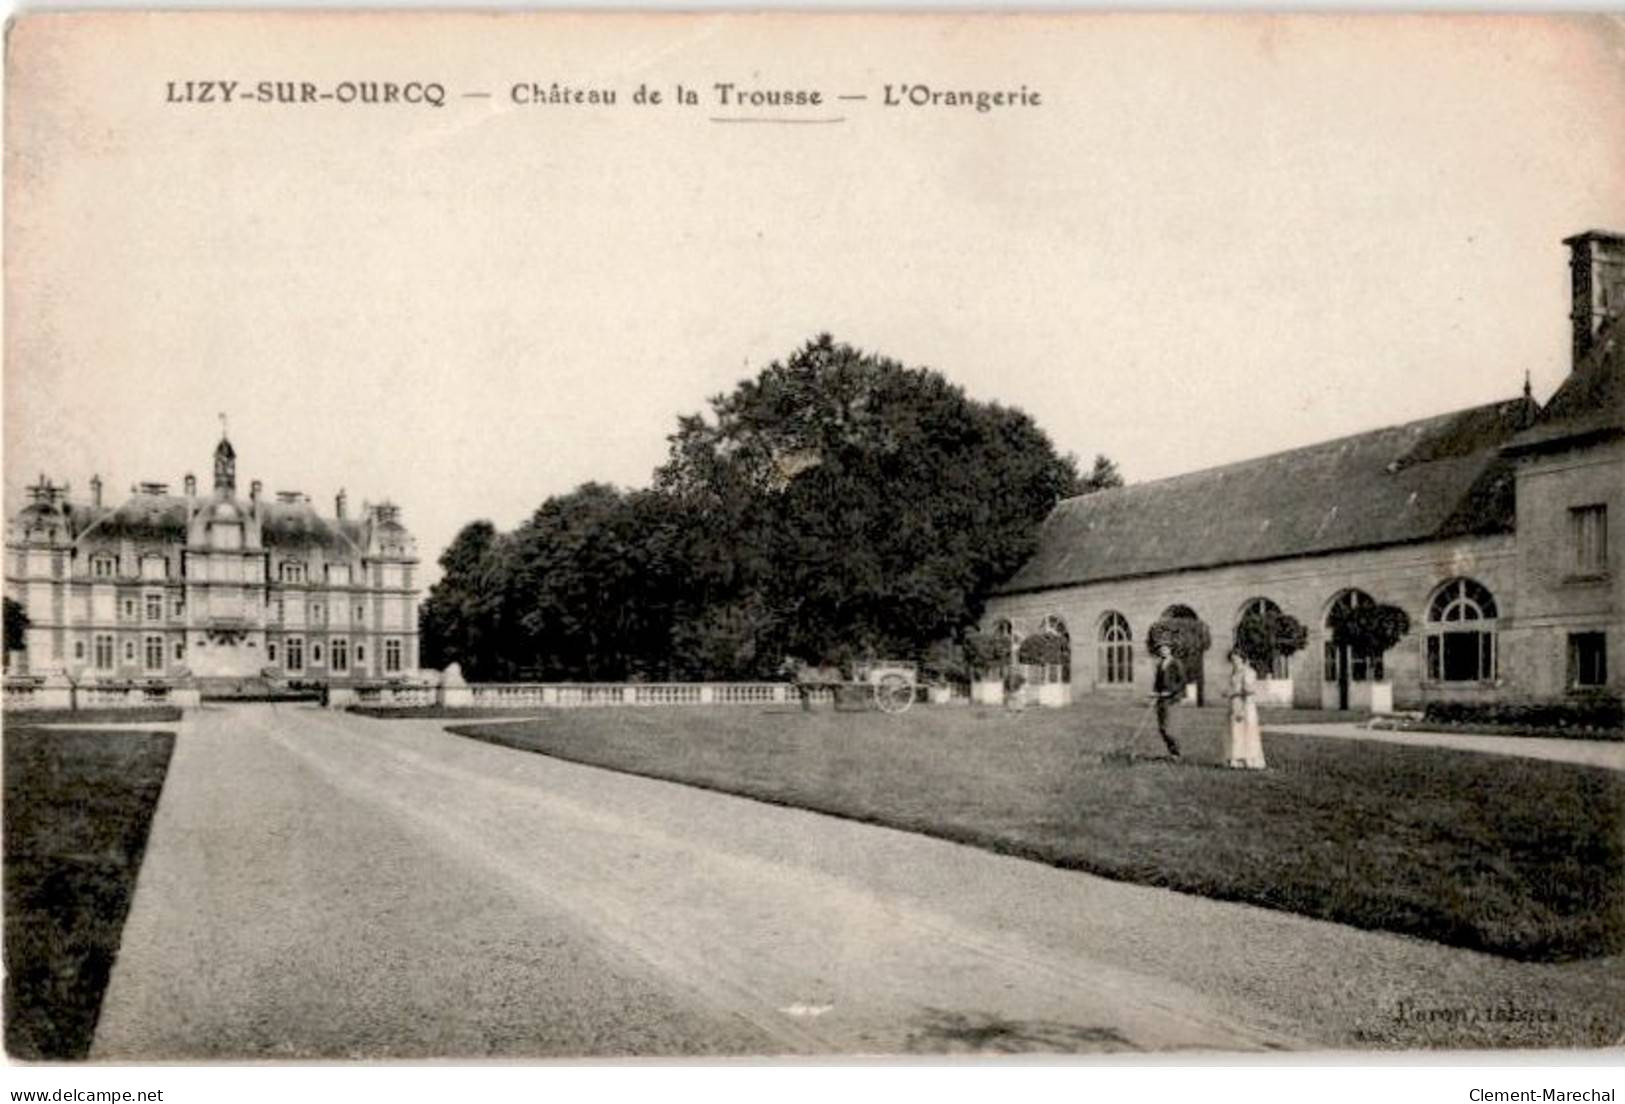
1123	753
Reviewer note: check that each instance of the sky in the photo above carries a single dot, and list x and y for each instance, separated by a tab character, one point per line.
1213	238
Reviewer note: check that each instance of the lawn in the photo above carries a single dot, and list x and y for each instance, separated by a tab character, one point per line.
78	805
1513	856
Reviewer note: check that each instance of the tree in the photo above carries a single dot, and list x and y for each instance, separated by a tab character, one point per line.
1264	635
16	627
462	618
1369	631
986	653
1045	649
1103	476
860	503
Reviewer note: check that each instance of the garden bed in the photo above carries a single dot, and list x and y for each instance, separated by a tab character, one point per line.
1519	858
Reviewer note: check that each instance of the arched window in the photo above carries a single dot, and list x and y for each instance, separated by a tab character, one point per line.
1461	633
1116	663
1261	607
1359	668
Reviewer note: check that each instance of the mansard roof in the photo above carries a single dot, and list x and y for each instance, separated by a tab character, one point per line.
298	525
145	517
1428	479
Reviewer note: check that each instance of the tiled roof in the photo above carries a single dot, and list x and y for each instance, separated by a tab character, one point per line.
1591	402
1437	477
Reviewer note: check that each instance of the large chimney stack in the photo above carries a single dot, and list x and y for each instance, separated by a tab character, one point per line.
339	504
96	491
1597	277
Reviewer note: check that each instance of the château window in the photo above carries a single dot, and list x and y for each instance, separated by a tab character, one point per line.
180	607
318	614
104	652
1461	633
392	655
155	607
79	649
103	567
180	650
1588	660
270	651
360	654
293	572
1116	664
129	651
1588	528
316	654
153	653
296	654
341	655
129	609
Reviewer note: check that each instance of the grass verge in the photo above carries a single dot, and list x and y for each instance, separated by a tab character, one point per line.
1519	858
78	805
140	714
436	712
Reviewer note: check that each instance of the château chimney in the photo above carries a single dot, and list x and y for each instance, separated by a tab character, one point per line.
190	483
254	490
96	491
339	504
1597	277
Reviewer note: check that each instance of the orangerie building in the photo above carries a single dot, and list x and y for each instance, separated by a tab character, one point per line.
214	586
1496	529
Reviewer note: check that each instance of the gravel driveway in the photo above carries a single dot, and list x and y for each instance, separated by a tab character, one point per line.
324	885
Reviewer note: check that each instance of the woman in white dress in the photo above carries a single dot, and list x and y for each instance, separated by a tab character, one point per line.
1245	748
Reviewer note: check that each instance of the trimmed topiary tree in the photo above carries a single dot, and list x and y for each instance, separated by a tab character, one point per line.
1263	636
1369	631
1045	649
986	653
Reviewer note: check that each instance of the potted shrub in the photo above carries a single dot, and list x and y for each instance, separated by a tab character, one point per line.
943	667
986	657
1368	632
1263	637
1052	654
1190	639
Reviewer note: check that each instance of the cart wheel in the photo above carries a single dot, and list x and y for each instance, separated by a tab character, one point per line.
894	694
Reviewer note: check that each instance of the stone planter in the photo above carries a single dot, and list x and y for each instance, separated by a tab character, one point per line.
987	692
1054	695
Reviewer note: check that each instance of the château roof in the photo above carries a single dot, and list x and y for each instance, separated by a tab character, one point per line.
1428	479
298	525
142	517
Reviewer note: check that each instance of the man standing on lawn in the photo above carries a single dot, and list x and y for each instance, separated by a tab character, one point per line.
1169	687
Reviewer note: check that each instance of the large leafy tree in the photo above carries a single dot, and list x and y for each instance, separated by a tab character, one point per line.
851	503
462	618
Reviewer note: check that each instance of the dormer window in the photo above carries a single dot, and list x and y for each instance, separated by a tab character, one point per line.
293	572
103	567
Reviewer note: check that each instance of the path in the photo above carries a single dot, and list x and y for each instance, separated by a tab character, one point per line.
320	884
1587	753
